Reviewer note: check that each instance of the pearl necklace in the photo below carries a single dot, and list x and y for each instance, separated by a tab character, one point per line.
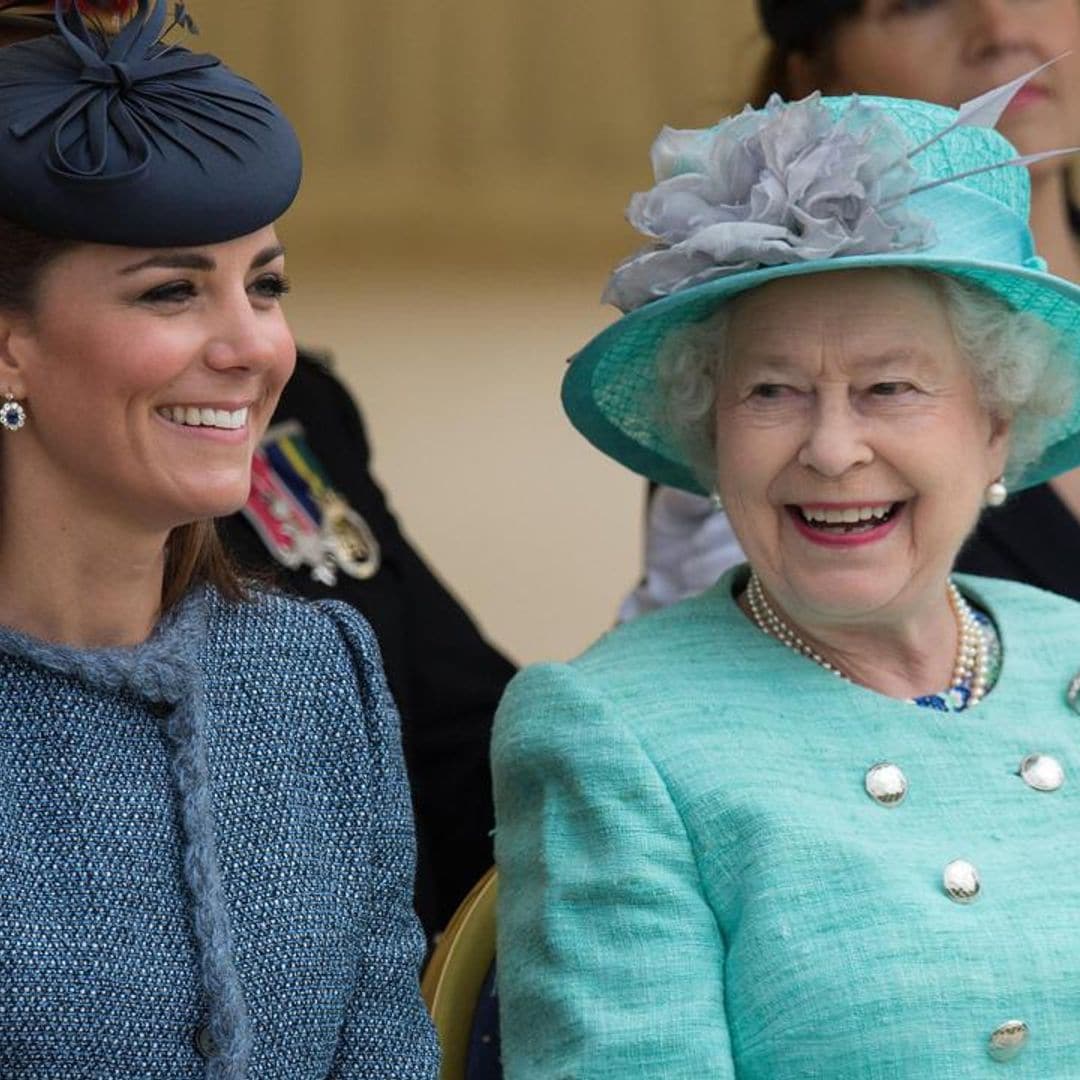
970	671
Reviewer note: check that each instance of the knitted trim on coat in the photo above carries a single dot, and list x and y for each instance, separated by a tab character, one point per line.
165	669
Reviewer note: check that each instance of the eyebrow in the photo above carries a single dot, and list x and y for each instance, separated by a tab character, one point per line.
194	260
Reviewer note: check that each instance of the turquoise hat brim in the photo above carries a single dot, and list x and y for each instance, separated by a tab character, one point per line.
609	389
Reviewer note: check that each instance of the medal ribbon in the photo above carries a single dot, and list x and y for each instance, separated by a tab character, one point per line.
318	527
294	459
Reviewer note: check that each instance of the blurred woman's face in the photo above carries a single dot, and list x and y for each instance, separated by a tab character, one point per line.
949	51
149	375
852	449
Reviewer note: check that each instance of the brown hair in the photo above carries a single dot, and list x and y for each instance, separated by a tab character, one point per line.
803	28
194	553
774	75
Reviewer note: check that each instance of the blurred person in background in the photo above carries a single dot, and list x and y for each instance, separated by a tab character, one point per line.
206	842
946	51
318	525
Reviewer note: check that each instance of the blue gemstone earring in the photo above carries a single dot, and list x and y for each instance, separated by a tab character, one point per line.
12	414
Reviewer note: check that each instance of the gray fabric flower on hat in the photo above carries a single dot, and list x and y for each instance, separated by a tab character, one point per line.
780	185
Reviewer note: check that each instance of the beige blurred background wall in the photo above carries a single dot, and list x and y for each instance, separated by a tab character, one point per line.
467	163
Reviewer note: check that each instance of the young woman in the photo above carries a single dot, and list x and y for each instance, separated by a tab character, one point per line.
206	849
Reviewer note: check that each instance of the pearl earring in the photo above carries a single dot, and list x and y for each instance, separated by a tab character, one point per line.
717	502
12	414
996	493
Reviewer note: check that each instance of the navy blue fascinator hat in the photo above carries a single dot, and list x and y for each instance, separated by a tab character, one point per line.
125	139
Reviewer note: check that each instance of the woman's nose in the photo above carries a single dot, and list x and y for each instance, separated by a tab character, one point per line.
994	27
836	441
243	339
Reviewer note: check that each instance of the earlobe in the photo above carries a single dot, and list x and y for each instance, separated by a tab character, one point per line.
12	352
996	492
1000	432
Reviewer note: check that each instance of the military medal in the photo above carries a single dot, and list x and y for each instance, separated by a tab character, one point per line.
300	518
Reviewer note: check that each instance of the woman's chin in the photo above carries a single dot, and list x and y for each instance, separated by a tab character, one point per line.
840	594
1039	126
213	503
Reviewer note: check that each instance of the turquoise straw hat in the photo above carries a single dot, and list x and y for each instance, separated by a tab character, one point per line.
815	186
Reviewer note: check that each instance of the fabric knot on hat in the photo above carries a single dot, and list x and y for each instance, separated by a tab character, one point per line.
135	90
100	111
123	74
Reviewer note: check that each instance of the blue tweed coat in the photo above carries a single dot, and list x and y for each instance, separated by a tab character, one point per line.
695	884
206	855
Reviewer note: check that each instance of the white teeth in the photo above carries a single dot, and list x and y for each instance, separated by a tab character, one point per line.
849	515
194	416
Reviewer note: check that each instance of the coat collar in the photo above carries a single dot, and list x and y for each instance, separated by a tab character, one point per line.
161	669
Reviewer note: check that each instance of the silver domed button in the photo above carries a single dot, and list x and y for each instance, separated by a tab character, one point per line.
1008	1040
1042	772
961	881
886	783
1072	695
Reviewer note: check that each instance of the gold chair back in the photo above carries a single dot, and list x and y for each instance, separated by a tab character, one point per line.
456	972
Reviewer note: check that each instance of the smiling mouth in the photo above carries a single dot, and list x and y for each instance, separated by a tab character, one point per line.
197	416
846	520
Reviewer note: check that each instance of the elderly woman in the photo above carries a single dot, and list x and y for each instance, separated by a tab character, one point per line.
812	823
945	51
206	849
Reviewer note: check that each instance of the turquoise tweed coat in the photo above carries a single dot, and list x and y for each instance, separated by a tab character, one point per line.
695	884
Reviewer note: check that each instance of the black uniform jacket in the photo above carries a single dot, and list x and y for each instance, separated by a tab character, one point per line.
1032	538
445	677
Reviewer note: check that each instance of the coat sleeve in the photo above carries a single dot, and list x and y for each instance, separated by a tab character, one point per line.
611	964
387	1031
